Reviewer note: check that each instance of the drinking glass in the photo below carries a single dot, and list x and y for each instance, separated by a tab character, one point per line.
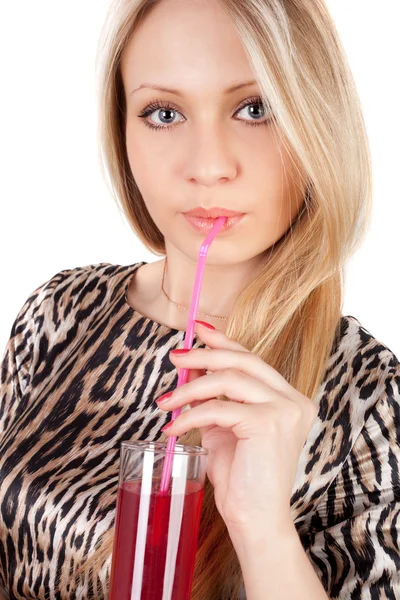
156	533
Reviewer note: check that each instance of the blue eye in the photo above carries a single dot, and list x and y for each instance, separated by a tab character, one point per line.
257	104
165	109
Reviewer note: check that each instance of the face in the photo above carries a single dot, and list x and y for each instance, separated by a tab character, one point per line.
204	146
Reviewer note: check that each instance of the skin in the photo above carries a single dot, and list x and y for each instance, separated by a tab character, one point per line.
206	155
210	158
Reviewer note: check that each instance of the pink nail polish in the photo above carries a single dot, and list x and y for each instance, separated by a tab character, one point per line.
164	397
182	351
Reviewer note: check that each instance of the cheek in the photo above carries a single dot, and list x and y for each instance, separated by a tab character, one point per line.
278	185
148	168
265	163
152	175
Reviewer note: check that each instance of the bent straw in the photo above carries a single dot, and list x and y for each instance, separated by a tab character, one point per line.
188	342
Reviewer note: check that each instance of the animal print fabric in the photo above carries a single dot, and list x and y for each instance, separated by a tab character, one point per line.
81	372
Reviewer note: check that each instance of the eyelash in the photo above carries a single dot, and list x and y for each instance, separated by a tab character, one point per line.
158	104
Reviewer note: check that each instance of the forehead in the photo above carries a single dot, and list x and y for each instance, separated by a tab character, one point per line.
188	45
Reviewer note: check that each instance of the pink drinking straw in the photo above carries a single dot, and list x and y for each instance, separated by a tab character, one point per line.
188	342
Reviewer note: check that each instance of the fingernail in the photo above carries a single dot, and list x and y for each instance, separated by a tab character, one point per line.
164	397
167	426
205	324
183	351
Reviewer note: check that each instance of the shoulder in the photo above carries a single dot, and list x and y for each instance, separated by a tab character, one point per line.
60	309
353	332
361	350
362	372
70	290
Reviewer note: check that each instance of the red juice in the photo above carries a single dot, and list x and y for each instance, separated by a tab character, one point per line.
149	574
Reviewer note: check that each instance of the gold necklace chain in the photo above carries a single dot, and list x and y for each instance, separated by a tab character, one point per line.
183	307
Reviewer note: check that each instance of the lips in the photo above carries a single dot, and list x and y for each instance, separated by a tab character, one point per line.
204	225
212	213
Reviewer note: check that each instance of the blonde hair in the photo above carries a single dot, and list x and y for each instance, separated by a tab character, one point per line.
290	312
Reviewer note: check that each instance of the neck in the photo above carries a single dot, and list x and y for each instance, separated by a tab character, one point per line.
220	286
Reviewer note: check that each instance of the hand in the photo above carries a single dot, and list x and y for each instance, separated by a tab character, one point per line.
254	441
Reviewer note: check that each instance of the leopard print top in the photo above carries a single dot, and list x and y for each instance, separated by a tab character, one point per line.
80	373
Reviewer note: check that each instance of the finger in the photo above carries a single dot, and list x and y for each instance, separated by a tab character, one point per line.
245	362
238	386
217	339
192	375
216	413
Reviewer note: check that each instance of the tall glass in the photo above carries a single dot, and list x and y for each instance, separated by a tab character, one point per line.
156	533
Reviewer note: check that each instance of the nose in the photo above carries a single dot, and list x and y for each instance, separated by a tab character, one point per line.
211	158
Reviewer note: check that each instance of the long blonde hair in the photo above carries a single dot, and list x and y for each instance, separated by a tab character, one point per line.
289	314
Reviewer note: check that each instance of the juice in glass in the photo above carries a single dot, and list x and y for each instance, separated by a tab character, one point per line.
156	533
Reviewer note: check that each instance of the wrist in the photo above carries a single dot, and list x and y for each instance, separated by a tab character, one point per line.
275	565
252	539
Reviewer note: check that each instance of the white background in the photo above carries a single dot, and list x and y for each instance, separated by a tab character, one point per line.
56	212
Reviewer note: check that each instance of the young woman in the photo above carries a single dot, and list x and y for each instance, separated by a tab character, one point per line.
247	107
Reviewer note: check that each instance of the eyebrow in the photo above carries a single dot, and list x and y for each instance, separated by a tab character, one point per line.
153	86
